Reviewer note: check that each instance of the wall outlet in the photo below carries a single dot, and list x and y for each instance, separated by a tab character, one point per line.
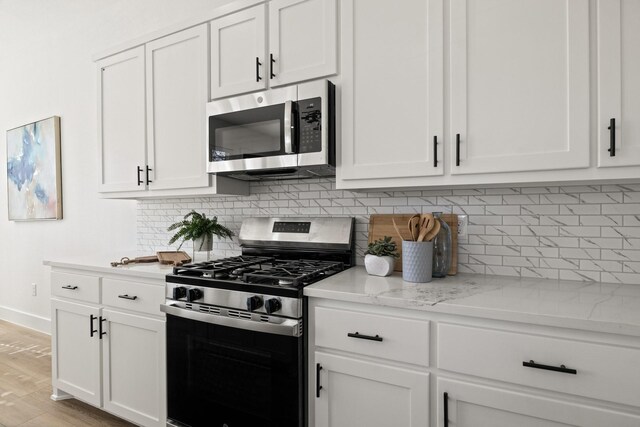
34	289
463	221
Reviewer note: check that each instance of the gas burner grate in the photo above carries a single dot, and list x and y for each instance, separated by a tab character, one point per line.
294	273
224	268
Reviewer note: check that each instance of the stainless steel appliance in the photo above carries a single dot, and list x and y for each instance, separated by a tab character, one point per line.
236	339
277	134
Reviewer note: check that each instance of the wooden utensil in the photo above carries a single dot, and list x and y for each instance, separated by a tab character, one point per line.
414	224
433	232
426	224
141	259
393	220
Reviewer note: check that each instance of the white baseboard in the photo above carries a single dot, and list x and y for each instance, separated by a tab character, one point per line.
28	320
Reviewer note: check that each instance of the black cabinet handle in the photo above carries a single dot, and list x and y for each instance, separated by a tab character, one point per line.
258	64
100	327
318	386
148	170
71	288
125	296
457	149
445	408
92	331
612	138
364	337
561	368
272	61
140	181
435	151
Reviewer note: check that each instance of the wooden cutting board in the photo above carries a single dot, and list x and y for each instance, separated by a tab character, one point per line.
176	258
381	225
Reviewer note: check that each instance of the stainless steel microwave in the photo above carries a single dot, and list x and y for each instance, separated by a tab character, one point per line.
281	133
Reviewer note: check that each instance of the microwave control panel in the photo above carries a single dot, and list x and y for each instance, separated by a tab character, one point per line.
309	126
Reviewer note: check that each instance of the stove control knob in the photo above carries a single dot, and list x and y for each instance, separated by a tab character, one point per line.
179	292
194	294
254	303
272	305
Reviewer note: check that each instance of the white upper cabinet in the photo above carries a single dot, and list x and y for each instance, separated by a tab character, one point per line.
177	92
238	47
121	121
302	40
392	89
519	85
302	45
618	83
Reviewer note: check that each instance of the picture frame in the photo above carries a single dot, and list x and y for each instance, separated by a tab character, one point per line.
34	171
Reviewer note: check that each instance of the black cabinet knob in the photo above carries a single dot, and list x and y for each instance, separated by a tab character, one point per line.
272	305
179	292
254	303
194	294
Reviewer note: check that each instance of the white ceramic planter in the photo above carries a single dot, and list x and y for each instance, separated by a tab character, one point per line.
203	243
379	265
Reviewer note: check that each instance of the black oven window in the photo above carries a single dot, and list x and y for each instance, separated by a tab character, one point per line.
219	375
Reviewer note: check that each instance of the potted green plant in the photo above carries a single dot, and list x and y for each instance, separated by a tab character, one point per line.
380	257
200	229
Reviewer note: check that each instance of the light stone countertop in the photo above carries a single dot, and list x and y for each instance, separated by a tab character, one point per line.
101	263
599	307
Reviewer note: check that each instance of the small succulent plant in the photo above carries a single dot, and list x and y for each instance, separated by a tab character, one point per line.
383	247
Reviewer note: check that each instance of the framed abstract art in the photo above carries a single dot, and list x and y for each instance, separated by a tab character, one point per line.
34	185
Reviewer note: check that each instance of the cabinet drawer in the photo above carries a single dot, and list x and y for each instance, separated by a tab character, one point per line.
76	286
403	340
132	296
603	371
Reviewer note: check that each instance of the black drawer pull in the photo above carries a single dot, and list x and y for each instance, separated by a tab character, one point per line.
273	61
561	368
126	296
612	138
445	404
91	319
258	64
102	319
139	172
435	151
457	149
71	288
318	386
365	337
149	170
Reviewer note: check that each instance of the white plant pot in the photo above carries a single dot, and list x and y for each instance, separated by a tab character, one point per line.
379	265
203	243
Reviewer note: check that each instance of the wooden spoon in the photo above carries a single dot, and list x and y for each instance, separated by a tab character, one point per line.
426	224
434	231
414	224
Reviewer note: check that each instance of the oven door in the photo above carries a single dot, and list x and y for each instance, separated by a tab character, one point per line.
252	132
222	375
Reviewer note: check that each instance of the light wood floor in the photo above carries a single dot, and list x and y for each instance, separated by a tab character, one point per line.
25	385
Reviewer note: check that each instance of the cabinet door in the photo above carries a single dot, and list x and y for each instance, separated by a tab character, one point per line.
121	121
177	93
238	45
356	393
472	405
302	40
392	94
618	82
134	368
519	79
75	349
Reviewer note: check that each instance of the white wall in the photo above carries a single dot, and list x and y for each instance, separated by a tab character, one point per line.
46	69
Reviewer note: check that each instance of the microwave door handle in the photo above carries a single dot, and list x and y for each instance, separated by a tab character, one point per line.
288	127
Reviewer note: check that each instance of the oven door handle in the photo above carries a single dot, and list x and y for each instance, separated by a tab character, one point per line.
288	127
289	327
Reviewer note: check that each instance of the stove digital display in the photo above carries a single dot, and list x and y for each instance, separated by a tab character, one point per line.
291	227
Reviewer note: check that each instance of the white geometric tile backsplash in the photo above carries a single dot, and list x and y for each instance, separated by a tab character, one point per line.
587	233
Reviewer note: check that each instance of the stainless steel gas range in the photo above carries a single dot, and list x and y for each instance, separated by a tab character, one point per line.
236	339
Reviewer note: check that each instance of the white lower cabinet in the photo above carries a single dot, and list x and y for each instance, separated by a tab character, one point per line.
110	349
133	353
352	393
474	405
75	346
